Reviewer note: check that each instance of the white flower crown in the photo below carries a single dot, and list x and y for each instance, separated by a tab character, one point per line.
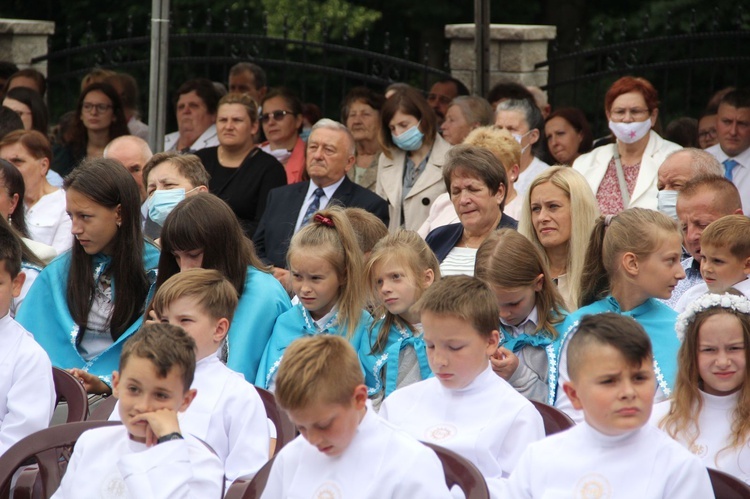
709	300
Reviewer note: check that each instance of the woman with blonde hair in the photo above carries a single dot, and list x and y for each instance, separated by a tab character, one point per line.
557	216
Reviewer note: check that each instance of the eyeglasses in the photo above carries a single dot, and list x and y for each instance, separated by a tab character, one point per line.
709	133
276	115
100	108
638	113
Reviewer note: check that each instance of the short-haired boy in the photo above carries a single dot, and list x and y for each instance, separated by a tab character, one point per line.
147	456
725	259
27	392
466	407
346	450
614	453
229	415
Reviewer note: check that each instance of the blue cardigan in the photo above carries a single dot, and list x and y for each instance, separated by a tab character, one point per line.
263	300
443	239
45	314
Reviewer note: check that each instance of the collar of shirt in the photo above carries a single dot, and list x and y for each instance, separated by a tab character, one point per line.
515	331
323	321
329	190
743	158
327	196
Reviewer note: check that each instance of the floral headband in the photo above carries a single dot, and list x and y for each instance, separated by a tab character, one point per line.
710	300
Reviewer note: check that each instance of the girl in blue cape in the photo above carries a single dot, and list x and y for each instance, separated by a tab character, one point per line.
531	309
327	275
632	259
393	354
203	232
88	301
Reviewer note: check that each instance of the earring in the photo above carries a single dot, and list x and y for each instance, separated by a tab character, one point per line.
118	224
10	218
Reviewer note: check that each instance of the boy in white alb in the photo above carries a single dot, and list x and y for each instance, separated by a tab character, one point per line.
725	259
147	456
27	392
614	453
228	414
345	449
466	407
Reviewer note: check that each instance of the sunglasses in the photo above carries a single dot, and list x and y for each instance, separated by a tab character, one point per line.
276	115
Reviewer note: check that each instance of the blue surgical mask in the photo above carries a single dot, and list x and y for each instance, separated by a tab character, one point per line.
162	202
305	134
409	140
667	203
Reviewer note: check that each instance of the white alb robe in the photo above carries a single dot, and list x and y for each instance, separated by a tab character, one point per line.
381	461
228	414
488	422
715	424
582	462
27	392
107	464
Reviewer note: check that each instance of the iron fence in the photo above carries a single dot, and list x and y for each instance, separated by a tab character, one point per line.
686	62
320	70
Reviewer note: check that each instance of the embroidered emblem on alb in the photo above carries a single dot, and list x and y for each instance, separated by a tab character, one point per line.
328	490
699	450
113	487
592	486
440	432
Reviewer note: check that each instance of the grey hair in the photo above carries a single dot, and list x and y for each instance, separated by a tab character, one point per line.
475	109
137	142
530	111
336	126
259	75
701	162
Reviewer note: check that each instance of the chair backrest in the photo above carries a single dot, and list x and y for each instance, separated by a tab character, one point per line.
103	410
285	429
250	489
727	486
68	388
462	473
50	448
554	419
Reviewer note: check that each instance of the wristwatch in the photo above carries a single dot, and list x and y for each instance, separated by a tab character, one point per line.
169	437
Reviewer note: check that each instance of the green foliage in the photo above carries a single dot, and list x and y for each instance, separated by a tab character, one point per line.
291	18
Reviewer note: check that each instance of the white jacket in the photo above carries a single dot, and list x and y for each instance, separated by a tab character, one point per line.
593	165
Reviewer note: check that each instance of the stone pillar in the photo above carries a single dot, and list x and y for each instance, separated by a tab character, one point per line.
514	50
22	40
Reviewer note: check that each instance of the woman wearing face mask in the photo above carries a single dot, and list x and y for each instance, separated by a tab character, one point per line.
410	173
241	173
624	174
523	119
170	177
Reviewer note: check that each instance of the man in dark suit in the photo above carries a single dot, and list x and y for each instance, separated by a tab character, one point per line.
330	154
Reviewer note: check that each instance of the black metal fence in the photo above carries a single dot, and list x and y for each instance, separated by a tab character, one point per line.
321	70
686	63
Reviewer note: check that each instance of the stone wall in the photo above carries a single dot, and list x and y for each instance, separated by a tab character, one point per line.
22	40
514	50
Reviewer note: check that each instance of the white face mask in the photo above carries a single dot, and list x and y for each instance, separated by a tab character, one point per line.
667	203
519	137
630	132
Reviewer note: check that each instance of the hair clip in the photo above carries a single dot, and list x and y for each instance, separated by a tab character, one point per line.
608	220
324	220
